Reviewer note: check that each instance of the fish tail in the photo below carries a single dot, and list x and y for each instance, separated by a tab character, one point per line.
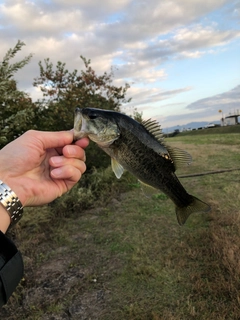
196	206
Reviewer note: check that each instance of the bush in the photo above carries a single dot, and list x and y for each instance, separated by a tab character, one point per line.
96	188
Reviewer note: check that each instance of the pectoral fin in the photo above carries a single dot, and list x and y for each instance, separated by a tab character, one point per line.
117	168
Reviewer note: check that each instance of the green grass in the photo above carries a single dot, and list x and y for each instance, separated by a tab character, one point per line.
127	258
214	138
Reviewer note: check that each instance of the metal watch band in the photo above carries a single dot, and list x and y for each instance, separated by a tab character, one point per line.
11	203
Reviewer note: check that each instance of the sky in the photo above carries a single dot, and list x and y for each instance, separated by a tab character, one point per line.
180	57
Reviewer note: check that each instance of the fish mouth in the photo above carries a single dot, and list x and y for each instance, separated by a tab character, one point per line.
79	125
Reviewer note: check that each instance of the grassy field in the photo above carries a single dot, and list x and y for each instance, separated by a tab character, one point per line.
127	258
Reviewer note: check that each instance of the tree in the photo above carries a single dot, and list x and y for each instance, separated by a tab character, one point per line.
63	91
16	107
137	115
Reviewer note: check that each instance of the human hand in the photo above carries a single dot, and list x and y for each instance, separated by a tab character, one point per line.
41	166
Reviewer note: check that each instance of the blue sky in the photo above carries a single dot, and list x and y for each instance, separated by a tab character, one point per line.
181	57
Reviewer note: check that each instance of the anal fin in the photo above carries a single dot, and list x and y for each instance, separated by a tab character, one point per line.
147	189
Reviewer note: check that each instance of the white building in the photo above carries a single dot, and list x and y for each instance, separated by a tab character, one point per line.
231	120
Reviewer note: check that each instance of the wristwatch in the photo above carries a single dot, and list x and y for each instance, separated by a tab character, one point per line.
11	203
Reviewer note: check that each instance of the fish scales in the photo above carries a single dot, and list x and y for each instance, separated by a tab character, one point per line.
144	163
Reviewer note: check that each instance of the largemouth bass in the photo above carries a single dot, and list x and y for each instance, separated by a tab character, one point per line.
140	149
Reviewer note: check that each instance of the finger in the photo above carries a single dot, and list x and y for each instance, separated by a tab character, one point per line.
83	143
52	139
60	161
74	151
67	172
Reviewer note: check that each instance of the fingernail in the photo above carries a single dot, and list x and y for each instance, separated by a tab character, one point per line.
56	160
56	172
70	151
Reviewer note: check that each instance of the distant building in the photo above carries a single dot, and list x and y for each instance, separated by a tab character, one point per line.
231	120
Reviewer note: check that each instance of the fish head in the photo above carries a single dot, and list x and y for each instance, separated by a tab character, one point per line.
99	125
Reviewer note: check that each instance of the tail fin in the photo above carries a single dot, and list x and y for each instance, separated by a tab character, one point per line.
196	206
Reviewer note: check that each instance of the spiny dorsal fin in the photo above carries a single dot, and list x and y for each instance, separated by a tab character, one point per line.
154	128
179	157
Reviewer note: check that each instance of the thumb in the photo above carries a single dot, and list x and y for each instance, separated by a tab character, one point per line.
50	139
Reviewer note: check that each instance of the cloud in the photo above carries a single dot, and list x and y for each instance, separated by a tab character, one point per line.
114	25
144	19
200	36
138	37
202	110
136	71
141	62
29	16
226	100
187	42
146	99
56	17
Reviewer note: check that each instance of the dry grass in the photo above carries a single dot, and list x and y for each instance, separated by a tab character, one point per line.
223	234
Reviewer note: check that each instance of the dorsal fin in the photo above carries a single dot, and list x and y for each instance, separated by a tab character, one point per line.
154	128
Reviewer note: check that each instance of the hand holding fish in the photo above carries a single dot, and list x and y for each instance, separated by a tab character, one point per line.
41	166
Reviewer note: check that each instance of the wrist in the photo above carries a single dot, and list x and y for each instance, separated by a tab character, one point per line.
15	185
